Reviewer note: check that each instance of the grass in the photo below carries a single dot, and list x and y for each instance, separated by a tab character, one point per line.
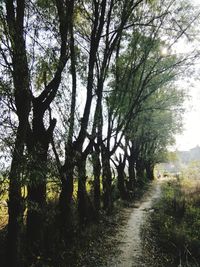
3	202
173	229
53	192
91	246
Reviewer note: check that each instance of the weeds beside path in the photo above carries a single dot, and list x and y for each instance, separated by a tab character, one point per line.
172	231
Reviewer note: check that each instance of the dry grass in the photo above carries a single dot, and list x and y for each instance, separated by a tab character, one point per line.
174	226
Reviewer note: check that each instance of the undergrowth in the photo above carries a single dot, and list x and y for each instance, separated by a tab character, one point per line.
91	245
172	232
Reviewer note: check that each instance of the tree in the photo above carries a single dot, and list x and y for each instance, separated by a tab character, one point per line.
156	126
33	131
15	32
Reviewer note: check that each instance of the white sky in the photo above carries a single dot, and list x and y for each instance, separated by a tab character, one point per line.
191	134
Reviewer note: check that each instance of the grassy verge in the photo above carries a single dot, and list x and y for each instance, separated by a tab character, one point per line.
172	232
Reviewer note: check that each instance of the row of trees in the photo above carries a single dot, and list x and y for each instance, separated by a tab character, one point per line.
85	81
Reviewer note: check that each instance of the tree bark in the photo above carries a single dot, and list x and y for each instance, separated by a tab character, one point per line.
149	171
107	181
65	199
131	173
96	172
121	180
38	141
40	138
67	171
20	74
36	204
15	204
140	168
82	194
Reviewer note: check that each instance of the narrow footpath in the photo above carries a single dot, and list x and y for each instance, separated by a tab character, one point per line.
129	253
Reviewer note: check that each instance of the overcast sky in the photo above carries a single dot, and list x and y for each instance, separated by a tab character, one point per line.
191	134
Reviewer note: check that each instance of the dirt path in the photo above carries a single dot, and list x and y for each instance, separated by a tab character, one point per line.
130	249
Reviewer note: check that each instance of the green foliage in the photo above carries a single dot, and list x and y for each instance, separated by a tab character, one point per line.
144	95
155	125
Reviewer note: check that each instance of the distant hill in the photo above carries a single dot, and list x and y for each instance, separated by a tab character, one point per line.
187	156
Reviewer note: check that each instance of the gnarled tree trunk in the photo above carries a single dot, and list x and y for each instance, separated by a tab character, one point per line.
38	144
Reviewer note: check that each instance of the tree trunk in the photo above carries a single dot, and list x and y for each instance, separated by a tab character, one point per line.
121	180
82	194
67	171
149	171
15	36
107	182
131	173
15	204
36	203
96	172
41	137
38	143
65	200
140	168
